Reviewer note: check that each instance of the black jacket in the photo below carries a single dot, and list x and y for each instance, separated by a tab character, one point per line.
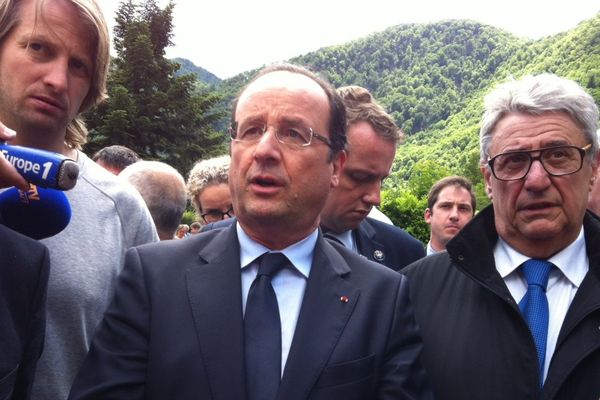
24	268
476	343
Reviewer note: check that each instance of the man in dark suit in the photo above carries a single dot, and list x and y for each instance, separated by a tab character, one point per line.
372	140
203	318
512	309
23	281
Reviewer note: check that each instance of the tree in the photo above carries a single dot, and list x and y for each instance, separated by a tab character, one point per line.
151	110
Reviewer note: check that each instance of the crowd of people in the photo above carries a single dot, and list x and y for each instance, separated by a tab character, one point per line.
288	286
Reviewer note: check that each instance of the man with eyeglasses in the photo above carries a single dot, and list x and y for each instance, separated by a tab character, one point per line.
265	308
512	309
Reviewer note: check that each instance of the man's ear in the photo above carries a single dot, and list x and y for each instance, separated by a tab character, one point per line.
595	169
487	178
338	165
427	215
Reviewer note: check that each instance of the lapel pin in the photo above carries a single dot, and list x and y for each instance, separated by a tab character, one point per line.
344	299
378	255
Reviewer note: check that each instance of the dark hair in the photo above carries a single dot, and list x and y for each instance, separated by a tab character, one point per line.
116	156
337	111
434	192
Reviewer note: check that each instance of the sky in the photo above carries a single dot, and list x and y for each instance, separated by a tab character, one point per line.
227	37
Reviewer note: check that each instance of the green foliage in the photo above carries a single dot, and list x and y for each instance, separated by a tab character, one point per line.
423	175
189	216
406	211
152	110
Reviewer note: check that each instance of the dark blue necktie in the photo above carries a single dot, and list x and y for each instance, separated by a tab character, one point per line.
534	305
262	331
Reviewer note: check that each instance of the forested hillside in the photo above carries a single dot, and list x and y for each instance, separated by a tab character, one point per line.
188	67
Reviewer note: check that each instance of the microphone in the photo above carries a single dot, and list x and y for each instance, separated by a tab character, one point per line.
43	168
38	213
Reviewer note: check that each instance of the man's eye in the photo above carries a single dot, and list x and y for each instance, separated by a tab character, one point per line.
360	177
80	67
293	135
251	132
35	47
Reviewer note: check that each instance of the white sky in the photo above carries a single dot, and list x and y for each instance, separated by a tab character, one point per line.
227	37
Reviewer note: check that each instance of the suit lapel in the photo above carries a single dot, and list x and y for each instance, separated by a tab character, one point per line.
321	322
214	291
366	244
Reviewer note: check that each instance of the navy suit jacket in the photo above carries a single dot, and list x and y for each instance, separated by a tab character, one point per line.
24	269
387	244
175	329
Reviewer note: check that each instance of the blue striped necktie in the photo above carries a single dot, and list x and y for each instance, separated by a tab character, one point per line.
534	305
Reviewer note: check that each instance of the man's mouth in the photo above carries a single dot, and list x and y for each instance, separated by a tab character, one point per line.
51	101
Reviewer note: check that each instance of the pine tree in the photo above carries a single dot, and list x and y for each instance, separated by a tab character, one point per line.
151	110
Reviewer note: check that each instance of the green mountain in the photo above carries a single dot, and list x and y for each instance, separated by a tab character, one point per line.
188	67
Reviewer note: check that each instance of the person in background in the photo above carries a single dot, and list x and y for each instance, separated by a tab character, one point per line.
208	189
195	227
372	140
451	204
265	308
163	190
54	57
181	232
115	158
511	310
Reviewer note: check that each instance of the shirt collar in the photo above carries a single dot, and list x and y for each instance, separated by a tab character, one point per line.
346	239
300	253
572	261
430	250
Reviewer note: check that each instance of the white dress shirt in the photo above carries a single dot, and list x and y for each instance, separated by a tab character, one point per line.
571	264
430	250
289	284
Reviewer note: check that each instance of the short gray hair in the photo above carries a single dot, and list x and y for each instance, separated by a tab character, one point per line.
163	191
536	94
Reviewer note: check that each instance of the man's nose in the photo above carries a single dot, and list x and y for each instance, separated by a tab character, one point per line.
537	178
268	146
373	194
57	75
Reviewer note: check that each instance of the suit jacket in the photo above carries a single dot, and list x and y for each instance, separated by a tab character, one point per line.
477	344
24	268
387	244
377	241
175	329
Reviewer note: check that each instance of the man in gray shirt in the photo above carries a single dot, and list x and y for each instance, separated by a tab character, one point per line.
53	63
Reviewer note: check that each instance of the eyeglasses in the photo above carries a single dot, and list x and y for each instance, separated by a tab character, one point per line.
557	161
216	215
293	135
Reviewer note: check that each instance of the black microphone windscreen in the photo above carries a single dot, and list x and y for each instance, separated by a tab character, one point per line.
38	213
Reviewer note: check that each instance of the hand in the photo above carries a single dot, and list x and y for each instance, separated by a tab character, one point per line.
8	174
